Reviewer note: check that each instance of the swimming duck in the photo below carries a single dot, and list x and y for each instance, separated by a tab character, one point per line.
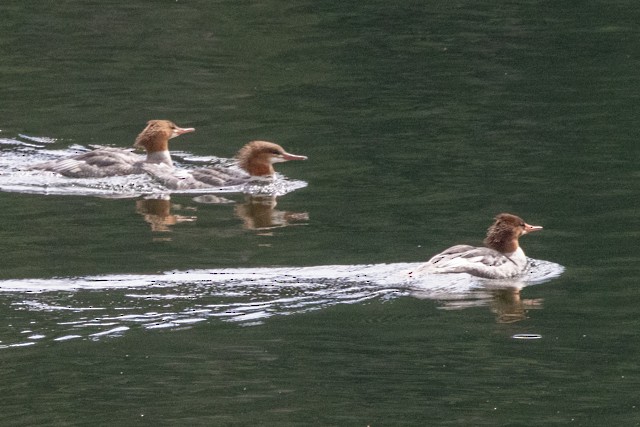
501	258
111	161
255	160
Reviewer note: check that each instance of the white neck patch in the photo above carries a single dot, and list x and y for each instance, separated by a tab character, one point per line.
160	157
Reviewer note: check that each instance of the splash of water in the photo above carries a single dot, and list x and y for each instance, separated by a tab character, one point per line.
15	176
103	306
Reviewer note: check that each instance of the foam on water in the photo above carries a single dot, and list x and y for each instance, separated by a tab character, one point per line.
249	297
14	176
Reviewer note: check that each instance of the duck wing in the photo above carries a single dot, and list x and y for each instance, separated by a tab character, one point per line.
469	254
95	164
477	261
204	178
171	178
220	176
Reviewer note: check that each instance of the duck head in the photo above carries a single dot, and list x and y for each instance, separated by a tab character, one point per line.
504	233
155	137
258	157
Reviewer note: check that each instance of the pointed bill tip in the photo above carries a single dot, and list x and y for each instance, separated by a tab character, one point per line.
531	228
288	156
180	131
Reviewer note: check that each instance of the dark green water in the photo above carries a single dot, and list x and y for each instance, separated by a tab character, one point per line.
421	120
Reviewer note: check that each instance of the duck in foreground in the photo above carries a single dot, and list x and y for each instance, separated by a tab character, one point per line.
501	258
111	161
255	160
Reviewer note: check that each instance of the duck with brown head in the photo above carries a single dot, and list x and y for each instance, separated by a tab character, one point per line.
154	139
111	161
258	157
501	258
254	160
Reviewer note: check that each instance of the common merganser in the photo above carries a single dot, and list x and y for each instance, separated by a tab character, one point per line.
254	160
501	258
111	161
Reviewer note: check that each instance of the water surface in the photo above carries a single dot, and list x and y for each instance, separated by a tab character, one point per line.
421	121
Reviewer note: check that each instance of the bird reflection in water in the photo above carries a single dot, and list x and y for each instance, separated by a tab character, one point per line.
506	303
509	306
260	213
156	211
256	213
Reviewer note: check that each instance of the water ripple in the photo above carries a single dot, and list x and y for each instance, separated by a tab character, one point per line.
108	306
15	176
